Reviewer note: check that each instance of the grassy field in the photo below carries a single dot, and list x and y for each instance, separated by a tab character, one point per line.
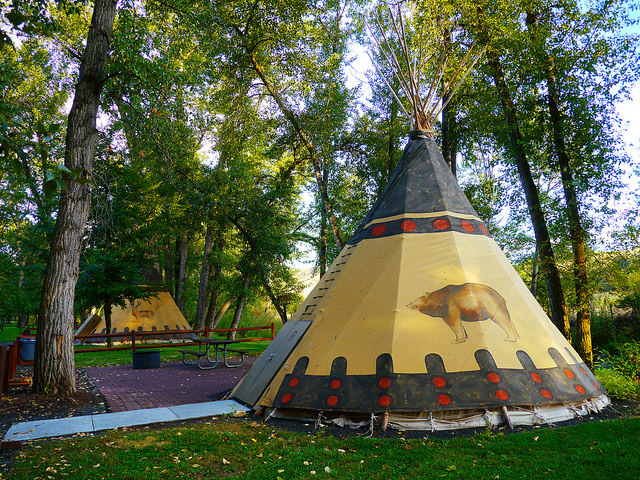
230	448
167	354
121	357
9	333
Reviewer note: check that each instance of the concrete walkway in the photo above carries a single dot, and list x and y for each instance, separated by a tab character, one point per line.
107	421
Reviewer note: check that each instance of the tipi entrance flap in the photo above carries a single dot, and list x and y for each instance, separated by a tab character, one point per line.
89	325
256	380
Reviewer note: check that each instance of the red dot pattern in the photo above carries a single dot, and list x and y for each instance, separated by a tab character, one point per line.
439	382
408	226
467	226
378	230
441	223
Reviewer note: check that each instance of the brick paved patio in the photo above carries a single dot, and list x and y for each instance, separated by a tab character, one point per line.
171	384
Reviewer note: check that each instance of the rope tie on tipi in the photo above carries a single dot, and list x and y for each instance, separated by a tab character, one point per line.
318	423
371	425
271	414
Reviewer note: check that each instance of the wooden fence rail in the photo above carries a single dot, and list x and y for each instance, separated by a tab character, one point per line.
134	337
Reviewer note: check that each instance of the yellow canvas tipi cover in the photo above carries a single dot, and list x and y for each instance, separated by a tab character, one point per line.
155	314
423	318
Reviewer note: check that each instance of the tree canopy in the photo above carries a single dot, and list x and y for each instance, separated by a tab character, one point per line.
229	141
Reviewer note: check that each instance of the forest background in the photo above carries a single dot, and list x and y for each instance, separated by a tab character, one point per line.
233	144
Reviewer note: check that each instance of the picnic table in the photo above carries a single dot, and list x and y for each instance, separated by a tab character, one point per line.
220	353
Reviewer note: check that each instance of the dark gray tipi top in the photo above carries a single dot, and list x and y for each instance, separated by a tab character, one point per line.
421	183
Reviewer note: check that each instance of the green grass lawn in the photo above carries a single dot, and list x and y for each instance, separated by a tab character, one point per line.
250	450
167	354
122	357
9	333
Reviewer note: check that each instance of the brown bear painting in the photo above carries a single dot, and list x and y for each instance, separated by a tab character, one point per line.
469	302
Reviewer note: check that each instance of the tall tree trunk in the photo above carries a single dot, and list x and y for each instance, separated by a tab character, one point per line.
181	279
169	268
204	280
274	300
576	231
547	258
22	316
323	232
239	306
583	323
23	319
213	281
323	246
107	320
54	369
177	248
289	115
449	122
534	274
391	146
223	309
449	149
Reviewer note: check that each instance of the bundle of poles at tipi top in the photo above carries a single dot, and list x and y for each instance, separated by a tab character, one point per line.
424	109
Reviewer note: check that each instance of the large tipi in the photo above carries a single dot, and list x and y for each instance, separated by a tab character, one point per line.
422	322
158	313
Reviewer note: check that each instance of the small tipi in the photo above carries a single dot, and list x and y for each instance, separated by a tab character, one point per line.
155	314
423	322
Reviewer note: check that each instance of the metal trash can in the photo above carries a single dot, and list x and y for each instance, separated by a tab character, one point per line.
146	359
27	349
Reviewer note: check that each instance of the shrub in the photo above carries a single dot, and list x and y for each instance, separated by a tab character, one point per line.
619	371
625	360
618	385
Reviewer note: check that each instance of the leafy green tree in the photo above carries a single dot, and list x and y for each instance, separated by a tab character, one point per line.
54	370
